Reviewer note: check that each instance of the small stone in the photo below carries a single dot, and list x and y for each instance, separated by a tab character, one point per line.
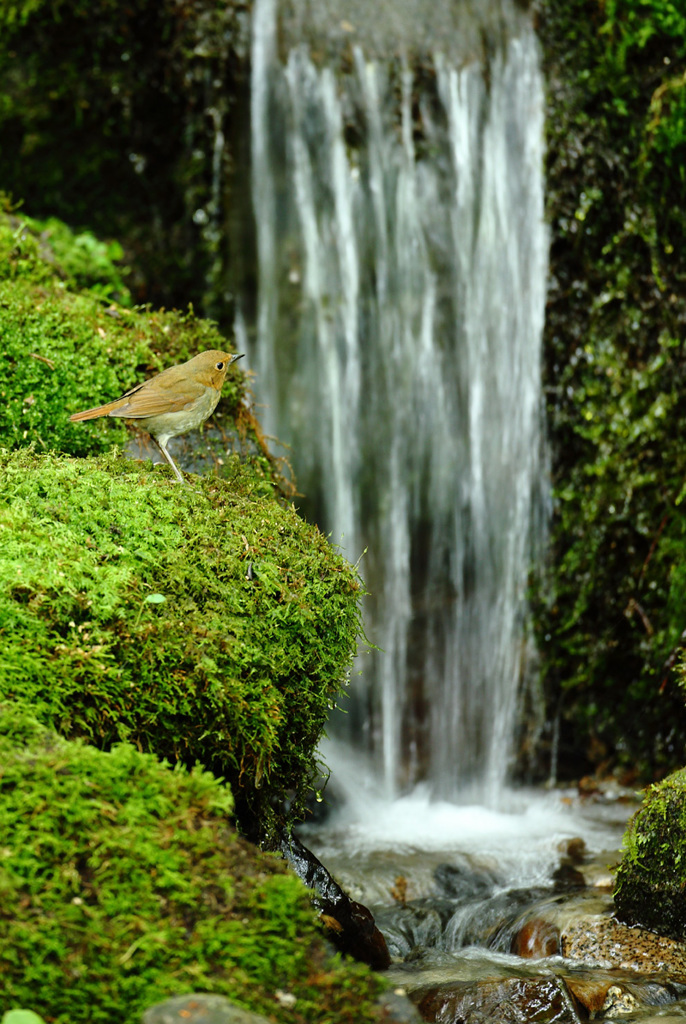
618	1002
505	1000
200	1008
399	1008
536	939
574	848
568	877
588	992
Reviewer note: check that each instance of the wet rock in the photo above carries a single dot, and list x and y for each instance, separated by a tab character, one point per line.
418	924
589	785
589	993
351	926
399	1007
618	1001
605	942
502	1000
200	1008
600	873
491	922
575	849
536	938
568	877
463	882
598	995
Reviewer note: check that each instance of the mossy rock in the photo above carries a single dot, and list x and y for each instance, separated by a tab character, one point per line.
123	883
205	623
67	347
651	880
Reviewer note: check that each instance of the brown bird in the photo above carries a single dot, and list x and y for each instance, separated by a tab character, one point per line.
175	401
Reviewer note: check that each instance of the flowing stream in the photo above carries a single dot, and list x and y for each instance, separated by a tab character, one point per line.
402	258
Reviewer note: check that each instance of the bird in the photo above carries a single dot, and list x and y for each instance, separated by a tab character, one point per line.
173	402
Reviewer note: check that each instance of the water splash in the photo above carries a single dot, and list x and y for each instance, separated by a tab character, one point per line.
401	291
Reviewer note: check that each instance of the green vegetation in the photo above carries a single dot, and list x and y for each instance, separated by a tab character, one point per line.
615	375
649	37
236	668
124	884
206	623
80	260
109	116
148	624
65	349
649	888
84	260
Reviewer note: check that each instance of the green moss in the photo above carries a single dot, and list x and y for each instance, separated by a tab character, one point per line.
123	883
651	879
236	668
64	349
104	121
83	260
615	378
46	249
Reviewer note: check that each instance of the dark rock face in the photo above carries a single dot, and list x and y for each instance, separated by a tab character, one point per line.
651	879
464	882
568	877
595	142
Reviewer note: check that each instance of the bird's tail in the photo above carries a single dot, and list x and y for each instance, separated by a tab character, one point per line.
92	414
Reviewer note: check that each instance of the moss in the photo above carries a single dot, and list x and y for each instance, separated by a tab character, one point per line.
615	376
49	248
64	349
651	879
110	117
236	667
123	883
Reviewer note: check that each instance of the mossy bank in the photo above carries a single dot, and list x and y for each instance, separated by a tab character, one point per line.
123	883
204	623
71	340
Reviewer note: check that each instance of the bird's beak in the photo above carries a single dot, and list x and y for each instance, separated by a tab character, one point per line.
240	356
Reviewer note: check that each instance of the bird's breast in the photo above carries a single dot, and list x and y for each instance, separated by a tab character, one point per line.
194	414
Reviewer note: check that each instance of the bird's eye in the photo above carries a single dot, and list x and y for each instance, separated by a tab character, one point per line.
219	366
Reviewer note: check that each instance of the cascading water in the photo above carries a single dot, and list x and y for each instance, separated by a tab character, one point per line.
402	258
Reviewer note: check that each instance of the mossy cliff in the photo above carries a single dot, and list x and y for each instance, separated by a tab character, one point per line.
68	345
123	884
615	379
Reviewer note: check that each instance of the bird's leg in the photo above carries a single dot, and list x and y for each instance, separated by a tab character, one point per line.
163	448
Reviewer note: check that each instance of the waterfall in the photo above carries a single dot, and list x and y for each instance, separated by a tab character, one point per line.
402	260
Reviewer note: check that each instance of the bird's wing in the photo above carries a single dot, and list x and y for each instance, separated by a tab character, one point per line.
146	400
